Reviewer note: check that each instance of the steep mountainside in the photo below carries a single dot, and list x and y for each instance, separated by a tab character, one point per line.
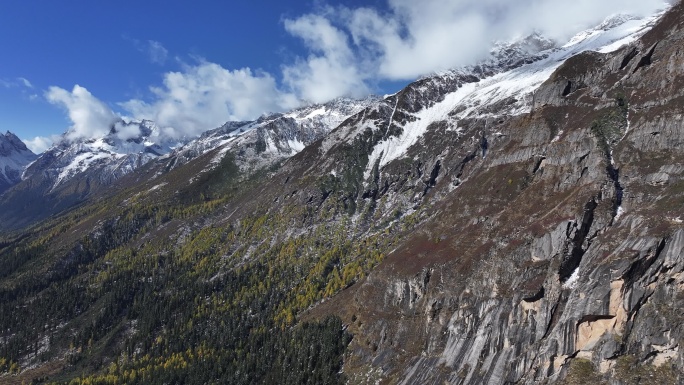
267	140
552	241
514	222
14	157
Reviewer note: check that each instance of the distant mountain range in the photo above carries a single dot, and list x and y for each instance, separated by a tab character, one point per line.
72	170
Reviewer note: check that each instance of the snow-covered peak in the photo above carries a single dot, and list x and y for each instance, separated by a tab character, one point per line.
505	90
123	138
613	33
127	146
130	144
14	158
519	51
327	115
10	144
274	136
615	21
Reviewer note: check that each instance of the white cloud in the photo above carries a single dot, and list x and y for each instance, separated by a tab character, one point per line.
125	131
562	19
18	82
40	143
201	97
25	82
348	50
421	37
156	52
331	70
90	117
207	95
413	38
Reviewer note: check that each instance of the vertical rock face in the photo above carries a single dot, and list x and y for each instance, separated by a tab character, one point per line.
14	157
551	240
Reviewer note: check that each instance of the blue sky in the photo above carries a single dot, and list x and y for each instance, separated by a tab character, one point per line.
75	65
105	47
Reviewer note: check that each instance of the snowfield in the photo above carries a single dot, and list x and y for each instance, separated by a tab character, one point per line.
518	84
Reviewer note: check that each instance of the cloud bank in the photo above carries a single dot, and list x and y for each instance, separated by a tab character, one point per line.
411	38
331	70
349	50
207	95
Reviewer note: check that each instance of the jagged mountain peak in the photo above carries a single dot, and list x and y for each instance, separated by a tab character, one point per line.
494	90
120	133
274	136
615	21
9	143
14	158
126	146
310	111
508	53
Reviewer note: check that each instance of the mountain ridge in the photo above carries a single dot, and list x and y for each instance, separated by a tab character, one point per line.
74	169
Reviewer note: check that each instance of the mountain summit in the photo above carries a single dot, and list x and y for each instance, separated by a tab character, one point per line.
14	157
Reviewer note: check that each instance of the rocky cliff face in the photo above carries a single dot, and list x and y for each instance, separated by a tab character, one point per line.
553	243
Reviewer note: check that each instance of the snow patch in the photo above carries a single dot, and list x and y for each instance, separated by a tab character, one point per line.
571	282
314	113
216	160
295	145
81	163
557	137
157	187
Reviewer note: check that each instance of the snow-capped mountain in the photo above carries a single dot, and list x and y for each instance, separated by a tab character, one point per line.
127	146
14	157
74	169
272	137
503	86
130	145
